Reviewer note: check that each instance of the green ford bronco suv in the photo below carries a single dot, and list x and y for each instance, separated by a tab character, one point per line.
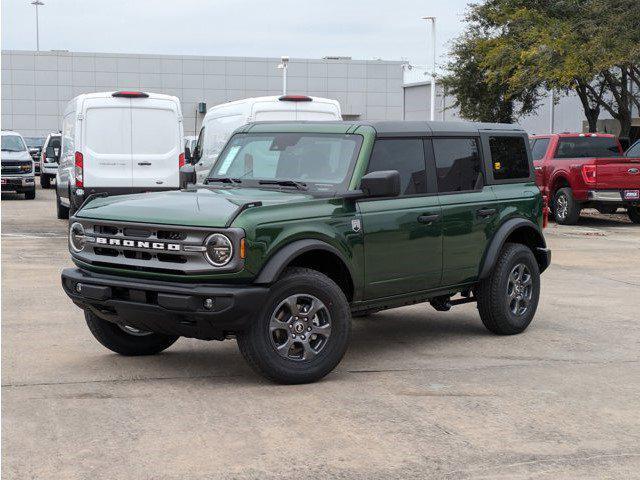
301	226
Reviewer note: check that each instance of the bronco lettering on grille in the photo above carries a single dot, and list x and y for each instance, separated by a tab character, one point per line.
117	242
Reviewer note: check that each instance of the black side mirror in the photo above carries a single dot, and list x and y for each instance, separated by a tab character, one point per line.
195	156
187	176
187	155
385	183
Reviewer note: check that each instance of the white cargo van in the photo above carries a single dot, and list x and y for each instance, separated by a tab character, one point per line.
222	120
118	142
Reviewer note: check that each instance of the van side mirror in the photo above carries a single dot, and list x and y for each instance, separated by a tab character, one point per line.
195	156
187	176
187	155
384	183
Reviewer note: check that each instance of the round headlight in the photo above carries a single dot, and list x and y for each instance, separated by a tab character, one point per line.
77	237
219	249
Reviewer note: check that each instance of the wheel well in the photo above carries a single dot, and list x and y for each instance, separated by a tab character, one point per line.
559	183
531	238
329	264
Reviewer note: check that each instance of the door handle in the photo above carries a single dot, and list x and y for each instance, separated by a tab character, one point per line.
428	218
144	164
485	212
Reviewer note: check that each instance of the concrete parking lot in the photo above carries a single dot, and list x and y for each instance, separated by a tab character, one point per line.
420	394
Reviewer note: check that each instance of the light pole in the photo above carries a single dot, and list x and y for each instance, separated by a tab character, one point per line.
433	72
37	3
283	66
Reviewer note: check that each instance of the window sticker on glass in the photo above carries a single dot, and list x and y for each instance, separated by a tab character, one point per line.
226	163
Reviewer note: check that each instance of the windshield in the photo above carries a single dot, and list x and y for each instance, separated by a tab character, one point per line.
587	147
12	143
316	161
35	142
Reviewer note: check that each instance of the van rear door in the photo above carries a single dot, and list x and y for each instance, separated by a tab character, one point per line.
156	142
106	142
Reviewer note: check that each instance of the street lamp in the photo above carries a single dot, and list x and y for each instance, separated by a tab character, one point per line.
433	72
283	66
37	3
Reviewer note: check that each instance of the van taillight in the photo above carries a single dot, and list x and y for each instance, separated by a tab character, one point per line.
79	170
130	94
589	173
181	160
295	98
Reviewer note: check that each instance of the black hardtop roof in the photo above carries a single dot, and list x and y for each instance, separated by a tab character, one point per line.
400	128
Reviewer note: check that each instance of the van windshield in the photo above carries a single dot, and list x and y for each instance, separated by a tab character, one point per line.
12	143
318	161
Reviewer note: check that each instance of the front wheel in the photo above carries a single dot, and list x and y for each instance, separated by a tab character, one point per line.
634	214
45	181
566	208
127	340
303	330
30	195
508	298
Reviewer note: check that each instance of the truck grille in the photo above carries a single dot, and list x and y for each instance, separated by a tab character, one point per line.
153	248
16	167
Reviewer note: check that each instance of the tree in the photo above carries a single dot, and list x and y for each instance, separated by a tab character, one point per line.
479	94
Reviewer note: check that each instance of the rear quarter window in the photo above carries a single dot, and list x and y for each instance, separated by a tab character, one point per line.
509	160
587	147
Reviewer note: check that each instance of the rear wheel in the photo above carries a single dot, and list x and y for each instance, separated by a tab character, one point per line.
127	340
303	330
566	208
62	212
30	195
508	298
634	213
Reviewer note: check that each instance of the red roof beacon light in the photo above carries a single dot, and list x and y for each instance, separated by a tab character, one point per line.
295	98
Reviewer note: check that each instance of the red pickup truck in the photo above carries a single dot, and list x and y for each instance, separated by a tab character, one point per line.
585	170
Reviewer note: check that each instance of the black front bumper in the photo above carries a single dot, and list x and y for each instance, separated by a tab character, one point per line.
165	307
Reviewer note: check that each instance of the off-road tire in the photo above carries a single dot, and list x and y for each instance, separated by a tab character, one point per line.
634	214
493	303
117	340
255	343
30	195
571	215
62	212
45	181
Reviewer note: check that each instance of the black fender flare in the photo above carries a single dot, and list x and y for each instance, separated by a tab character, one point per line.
275	265
541	252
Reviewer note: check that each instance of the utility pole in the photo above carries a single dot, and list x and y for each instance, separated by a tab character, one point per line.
37	3
283	66
432	112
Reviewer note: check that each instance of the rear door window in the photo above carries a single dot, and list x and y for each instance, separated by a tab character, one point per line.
457	164
509	158
539	148
155	131
406	155
108	130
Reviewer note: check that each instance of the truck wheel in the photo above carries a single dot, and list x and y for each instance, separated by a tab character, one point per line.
634	214
30	195
127	340
508	298
567	209
45	181
303	330
62	212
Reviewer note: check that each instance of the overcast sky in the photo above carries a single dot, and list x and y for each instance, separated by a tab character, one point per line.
362	29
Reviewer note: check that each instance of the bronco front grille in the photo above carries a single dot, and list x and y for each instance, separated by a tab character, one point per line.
152	248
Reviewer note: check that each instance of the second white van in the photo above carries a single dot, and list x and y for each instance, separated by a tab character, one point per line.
116	143
222	120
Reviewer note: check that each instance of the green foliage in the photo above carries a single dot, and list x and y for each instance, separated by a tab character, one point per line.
591	47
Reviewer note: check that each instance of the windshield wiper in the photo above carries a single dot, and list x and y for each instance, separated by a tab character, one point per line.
285	183
222	180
